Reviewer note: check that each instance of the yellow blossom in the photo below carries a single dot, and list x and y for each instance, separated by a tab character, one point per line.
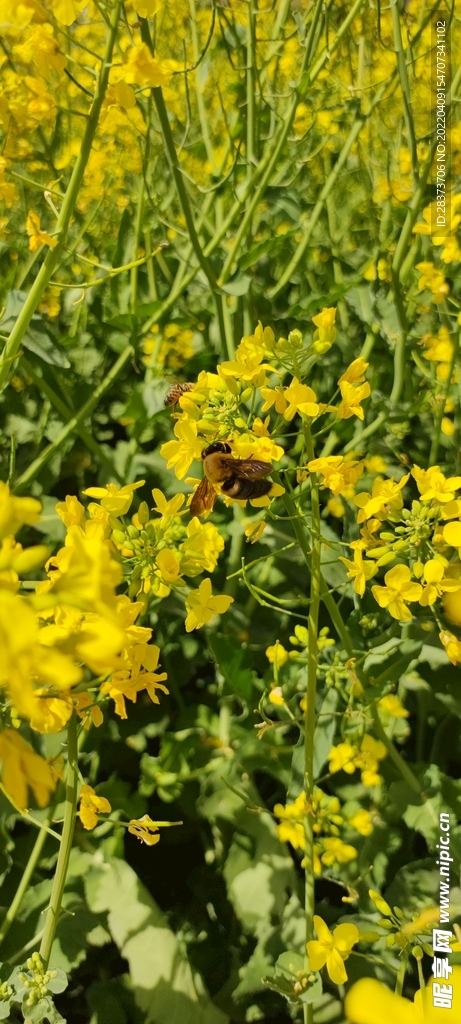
16	512
435	583
331	949
371	1002
398	589
115	500
351	400
277	655
301	399
90	805
254	531
335	850
326	331
182	453
202	606
355	372
276	696
385	495
23	769
392	706
274	397
88	711
71	511
66	11
362	822
452	646
342	757
141	68
433	280
335	507
433	484
37	237
359	571
168	566
337	472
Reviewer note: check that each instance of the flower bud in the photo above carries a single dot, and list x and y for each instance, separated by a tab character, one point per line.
30	559
143	513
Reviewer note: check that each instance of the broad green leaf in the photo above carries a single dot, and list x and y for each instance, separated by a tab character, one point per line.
164	986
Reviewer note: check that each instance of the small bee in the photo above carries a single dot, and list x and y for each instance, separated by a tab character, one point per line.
174	394
237	478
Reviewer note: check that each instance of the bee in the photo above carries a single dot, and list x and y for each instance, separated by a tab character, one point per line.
237	478
174	394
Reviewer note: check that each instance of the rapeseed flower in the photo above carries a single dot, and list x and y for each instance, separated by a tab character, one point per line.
351	400
115	500
301	399
338	473
181	454
359	571
37	237
90	806
331	949
397	591
24	769
202	606
371	1002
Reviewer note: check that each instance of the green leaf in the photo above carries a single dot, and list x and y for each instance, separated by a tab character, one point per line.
59	983
239	286
257	251
230	660
258	871
164	986
325	730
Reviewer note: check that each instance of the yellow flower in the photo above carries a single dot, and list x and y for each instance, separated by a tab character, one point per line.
362	822
37	237
115	500
182	453
332	949
291	827
397	591
50	714
371	1002
335	507
66	11
451	534
276	696
452	646
385	495
202	606
274	397
23	769
433	280
142	68
341	757
351	399
163	506
277	654
370	754
168	566
146	830
302	399
435	582
326	333
71	511
254	531
432	483
355	372
338	473
359	571
392	706
90	805
337	851
16	512
89	712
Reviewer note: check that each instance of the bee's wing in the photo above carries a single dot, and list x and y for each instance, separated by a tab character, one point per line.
203	499
248	469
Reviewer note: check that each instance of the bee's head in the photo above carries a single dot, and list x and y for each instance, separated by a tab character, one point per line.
218	446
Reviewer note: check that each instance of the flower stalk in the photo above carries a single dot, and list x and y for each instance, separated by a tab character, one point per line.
62	865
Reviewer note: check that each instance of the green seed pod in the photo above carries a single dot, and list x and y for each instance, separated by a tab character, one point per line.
134	589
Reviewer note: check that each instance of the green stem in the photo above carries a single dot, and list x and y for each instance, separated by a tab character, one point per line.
402	972
26	877
251	85
309	716
405	87
62	865
37	465
53	256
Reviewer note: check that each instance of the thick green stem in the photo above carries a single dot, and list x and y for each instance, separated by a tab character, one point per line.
37	465
62	865
309	715
53	256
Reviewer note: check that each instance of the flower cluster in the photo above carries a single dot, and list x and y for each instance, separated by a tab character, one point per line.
325	812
